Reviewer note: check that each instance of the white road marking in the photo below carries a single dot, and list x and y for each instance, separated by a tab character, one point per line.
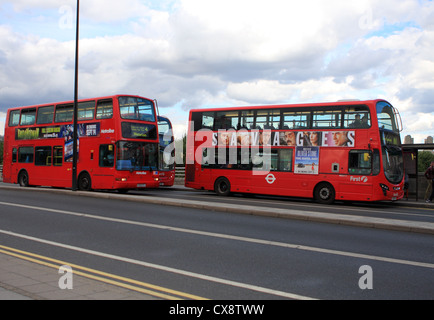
230	237
163	268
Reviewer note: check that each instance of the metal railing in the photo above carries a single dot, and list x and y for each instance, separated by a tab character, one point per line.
180	172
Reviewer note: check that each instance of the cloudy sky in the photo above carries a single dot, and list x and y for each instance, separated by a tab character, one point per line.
201	53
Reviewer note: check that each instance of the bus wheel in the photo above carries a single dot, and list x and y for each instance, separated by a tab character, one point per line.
23	179
325	193
84	182
222	187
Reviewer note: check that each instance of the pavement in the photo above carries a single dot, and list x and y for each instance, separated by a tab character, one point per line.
24	278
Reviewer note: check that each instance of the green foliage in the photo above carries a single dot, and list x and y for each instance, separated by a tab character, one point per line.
425	159
181	146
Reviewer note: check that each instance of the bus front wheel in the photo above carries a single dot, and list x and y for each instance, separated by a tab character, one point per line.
23	179
84	182
222	187
325	193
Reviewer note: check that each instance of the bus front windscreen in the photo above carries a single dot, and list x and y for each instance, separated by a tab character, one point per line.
386	117
136	156
393	164
132	108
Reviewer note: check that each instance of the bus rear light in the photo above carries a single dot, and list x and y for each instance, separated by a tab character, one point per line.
121	179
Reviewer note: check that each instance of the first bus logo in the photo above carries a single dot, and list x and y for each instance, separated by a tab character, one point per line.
363	179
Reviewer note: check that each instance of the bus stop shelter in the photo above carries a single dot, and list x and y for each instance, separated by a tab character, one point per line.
411	161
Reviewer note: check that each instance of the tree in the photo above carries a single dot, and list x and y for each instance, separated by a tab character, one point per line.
180	146
425	159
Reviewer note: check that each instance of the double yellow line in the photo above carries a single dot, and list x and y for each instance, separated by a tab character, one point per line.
130	284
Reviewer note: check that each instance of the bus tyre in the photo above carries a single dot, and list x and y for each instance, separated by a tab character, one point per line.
84	182
23	179
222	187
325	193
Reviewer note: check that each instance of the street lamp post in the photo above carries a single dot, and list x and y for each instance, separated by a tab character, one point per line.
75	137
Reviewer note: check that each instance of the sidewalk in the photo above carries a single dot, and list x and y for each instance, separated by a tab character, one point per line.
23	280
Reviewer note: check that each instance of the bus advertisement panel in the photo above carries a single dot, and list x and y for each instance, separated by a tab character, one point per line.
328	151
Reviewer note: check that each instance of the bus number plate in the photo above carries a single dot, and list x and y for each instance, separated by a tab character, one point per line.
141	185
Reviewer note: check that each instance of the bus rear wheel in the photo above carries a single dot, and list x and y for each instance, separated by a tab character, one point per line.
325	193
84	182
23	179
222	187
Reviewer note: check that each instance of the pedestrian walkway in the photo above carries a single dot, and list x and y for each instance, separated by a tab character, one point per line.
24	280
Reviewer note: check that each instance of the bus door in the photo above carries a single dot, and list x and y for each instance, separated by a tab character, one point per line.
204	171
10	173
103	167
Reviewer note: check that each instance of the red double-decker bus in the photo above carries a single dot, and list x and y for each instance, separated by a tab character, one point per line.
167	152
347	150
118	146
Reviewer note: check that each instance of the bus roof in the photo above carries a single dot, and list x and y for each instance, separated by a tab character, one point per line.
303	105
80	100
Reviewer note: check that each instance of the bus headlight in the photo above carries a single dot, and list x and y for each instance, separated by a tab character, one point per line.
384	188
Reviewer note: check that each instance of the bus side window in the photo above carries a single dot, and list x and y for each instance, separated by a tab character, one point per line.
14	118
25	155
226	120
285	160
107	155
104	109
28	117
86	110
247	119
14	155
45	115
360	162
58	156
207	121
376	166
43	156
64	113
357	117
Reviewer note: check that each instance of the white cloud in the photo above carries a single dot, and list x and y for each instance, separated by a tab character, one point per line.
2	123
95	10
192	53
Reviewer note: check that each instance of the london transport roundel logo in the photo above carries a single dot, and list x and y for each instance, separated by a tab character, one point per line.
270	178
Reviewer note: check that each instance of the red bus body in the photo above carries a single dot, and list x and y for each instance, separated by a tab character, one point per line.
326	151
117	144
167	152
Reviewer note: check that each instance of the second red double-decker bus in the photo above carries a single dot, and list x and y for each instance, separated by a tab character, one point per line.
326	151
118	145
167	152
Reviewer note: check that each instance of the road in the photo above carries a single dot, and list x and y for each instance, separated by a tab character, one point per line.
209	254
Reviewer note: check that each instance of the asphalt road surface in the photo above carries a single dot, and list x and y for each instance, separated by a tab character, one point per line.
196	253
